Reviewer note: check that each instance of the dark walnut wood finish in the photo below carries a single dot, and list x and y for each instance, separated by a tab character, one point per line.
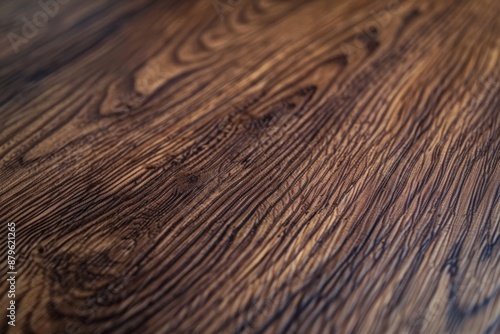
261	167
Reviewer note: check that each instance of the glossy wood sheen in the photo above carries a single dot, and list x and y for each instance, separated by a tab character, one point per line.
261	167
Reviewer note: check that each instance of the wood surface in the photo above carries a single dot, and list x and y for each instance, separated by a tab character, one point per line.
252	166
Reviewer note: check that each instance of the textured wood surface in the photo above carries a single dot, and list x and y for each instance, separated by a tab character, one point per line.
257	166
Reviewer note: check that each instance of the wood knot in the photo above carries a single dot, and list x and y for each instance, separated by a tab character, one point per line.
340	59
412	15
40	250
192	178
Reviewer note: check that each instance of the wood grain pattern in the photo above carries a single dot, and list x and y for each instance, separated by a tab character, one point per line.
262	166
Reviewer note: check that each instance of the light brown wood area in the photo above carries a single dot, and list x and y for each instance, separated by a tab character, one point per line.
251	166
